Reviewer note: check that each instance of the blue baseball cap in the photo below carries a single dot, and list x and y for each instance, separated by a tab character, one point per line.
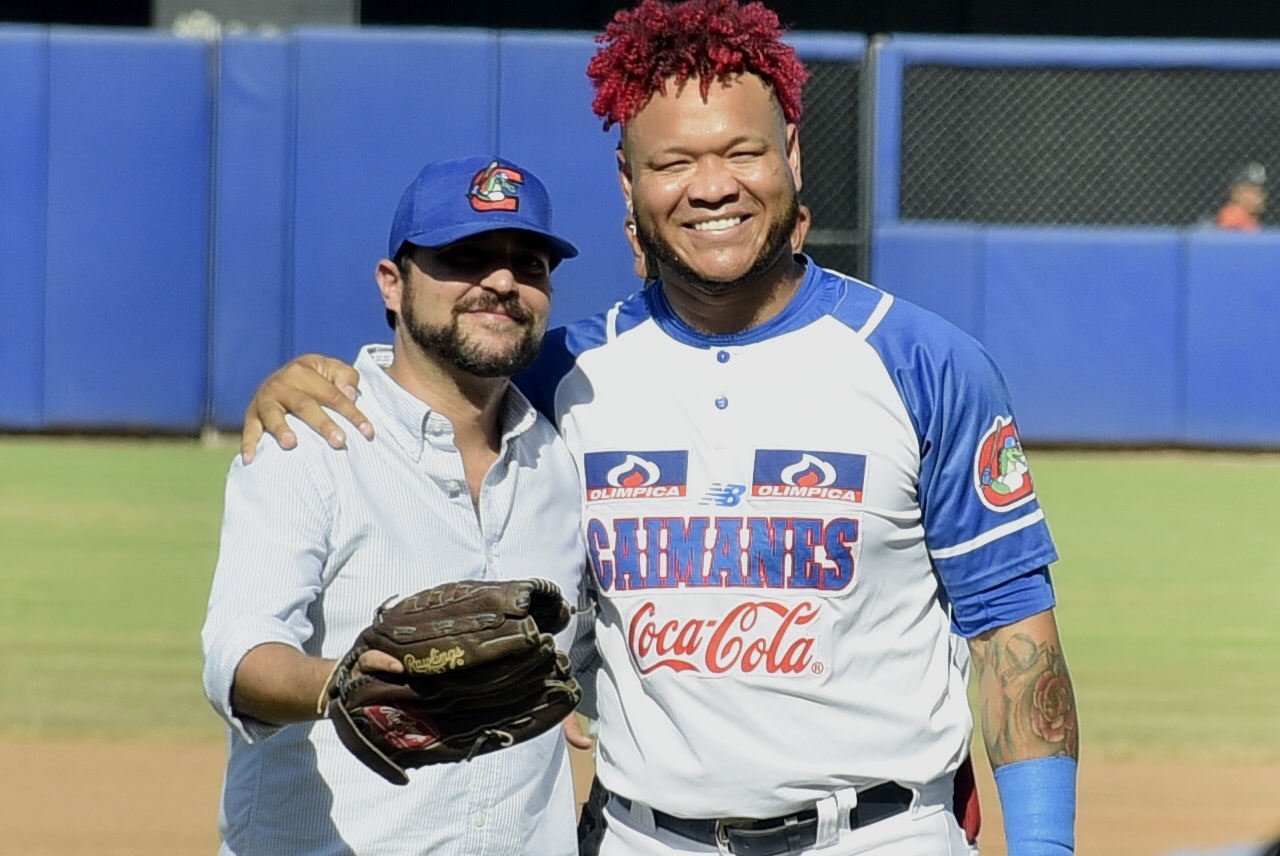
454	199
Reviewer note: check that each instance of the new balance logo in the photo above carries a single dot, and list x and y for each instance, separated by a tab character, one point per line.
723	495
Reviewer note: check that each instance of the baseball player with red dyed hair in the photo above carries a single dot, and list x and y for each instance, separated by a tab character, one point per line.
795	489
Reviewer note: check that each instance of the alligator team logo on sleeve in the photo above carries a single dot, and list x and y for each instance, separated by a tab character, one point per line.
1000	471
796	474
635	475
496	188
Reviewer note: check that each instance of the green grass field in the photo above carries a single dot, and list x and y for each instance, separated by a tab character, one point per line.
1168	586
106	552
1169	592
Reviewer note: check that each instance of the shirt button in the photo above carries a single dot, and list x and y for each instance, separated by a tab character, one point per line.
454	487
722	402
478	820
722	357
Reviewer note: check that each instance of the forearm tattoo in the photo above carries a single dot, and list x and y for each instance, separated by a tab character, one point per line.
1028	704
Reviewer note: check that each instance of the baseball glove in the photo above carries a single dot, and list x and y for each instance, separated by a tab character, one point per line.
481	673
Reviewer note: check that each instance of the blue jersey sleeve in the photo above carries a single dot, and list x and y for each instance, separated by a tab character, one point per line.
559	354
562	346
983	525
1004	603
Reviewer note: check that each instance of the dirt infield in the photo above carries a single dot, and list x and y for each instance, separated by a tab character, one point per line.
1148	807
138	797
153	797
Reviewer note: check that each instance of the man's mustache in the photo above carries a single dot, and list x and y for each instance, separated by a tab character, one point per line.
488	302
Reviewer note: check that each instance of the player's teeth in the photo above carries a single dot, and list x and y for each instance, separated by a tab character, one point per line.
717	224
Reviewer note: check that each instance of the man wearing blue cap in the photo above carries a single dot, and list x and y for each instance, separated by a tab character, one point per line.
462	476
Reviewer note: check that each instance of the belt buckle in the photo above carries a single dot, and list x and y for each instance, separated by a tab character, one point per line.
724	847
722	838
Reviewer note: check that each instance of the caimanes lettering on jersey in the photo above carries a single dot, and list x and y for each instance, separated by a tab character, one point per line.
744	556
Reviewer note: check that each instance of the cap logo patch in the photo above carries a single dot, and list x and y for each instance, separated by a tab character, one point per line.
1000	471
496	188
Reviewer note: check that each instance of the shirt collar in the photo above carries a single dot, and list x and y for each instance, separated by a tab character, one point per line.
411	421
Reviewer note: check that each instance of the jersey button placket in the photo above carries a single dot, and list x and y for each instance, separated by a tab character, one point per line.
722	400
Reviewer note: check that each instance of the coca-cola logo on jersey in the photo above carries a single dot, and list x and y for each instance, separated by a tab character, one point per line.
754	637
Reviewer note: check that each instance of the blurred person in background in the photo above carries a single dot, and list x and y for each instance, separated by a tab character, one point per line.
1247	200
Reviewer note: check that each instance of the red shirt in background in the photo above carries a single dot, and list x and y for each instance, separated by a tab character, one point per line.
1234	216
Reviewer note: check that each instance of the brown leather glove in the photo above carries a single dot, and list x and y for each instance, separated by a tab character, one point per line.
481	673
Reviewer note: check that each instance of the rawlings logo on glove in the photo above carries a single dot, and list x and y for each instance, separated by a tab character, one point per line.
436	661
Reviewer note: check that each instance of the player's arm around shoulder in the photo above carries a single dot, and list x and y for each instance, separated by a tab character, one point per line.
314	387
1031	731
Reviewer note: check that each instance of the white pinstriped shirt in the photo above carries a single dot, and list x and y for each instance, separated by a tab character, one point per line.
312	542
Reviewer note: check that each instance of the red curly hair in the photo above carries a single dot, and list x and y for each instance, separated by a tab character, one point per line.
712	40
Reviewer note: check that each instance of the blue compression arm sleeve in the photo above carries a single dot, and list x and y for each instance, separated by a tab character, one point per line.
1038	798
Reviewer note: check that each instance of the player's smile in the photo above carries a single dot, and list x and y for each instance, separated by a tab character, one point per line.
723	224
719	228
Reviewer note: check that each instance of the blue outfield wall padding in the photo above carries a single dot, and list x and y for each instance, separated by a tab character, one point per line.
24	163
373	107
1086	325
831	47
252	183
1233	338
127	264
1028	51
886	141
545	123
934	265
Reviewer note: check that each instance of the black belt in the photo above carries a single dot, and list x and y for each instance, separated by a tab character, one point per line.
782	835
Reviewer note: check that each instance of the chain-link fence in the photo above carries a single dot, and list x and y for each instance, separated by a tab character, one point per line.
833	174
1130	146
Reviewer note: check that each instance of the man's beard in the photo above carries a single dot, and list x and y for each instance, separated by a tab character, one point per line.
449	344
776	242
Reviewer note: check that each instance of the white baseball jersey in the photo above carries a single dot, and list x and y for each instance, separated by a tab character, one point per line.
777	520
